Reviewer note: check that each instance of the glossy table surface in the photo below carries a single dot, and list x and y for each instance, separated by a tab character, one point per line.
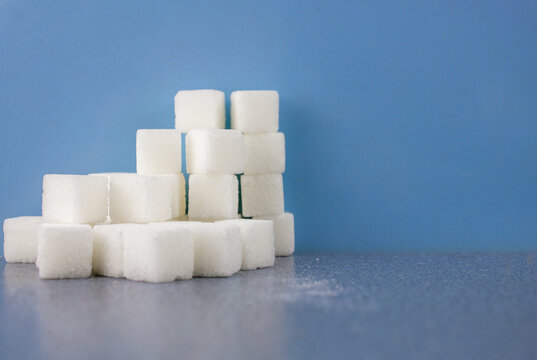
309	306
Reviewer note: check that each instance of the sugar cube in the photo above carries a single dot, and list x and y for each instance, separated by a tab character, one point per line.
214	152
76	199
154	254
284	233
217	249
136	198
212	197
264	153
158	151
20	238
108	249
255	111
199	109
186	256
177	184
64	251
262	194
257	238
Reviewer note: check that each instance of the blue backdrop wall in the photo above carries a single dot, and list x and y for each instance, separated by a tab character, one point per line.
409	125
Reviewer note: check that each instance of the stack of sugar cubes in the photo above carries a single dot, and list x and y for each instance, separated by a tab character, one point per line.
135	226
256	114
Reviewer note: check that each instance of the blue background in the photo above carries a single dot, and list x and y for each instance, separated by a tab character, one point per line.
409	125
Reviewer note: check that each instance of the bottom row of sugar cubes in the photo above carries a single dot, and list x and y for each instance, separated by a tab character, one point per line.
156	252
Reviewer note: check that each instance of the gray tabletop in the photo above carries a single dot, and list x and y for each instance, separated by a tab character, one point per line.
314	306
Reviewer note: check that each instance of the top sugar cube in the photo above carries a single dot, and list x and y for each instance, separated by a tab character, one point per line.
255	111
200	109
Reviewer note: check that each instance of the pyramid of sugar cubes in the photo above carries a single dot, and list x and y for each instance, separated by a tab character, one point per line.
140	226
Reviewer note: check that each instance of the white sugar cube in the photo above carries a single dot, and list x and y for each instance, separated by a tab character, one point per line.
257	242
74	199
158	151
217	249
20	238
177	184
108	249
64	251
214	152
264	153
186	256
200	109
284	233
153	253
255	111
212	197
262	194
136	198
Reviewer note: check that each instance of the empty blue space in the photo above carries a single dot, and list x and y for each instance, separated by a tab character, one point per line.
409	125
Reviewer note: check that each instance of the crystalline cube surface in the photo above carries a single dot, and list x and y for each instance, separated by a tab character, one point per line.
199	109
217	249
185	258
20	238
213	197
74	199
238	216
264	153
108	249
214	152
153	253
64	251
284	233
136	198
177	184
262	194
257	238
158	151
255	111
